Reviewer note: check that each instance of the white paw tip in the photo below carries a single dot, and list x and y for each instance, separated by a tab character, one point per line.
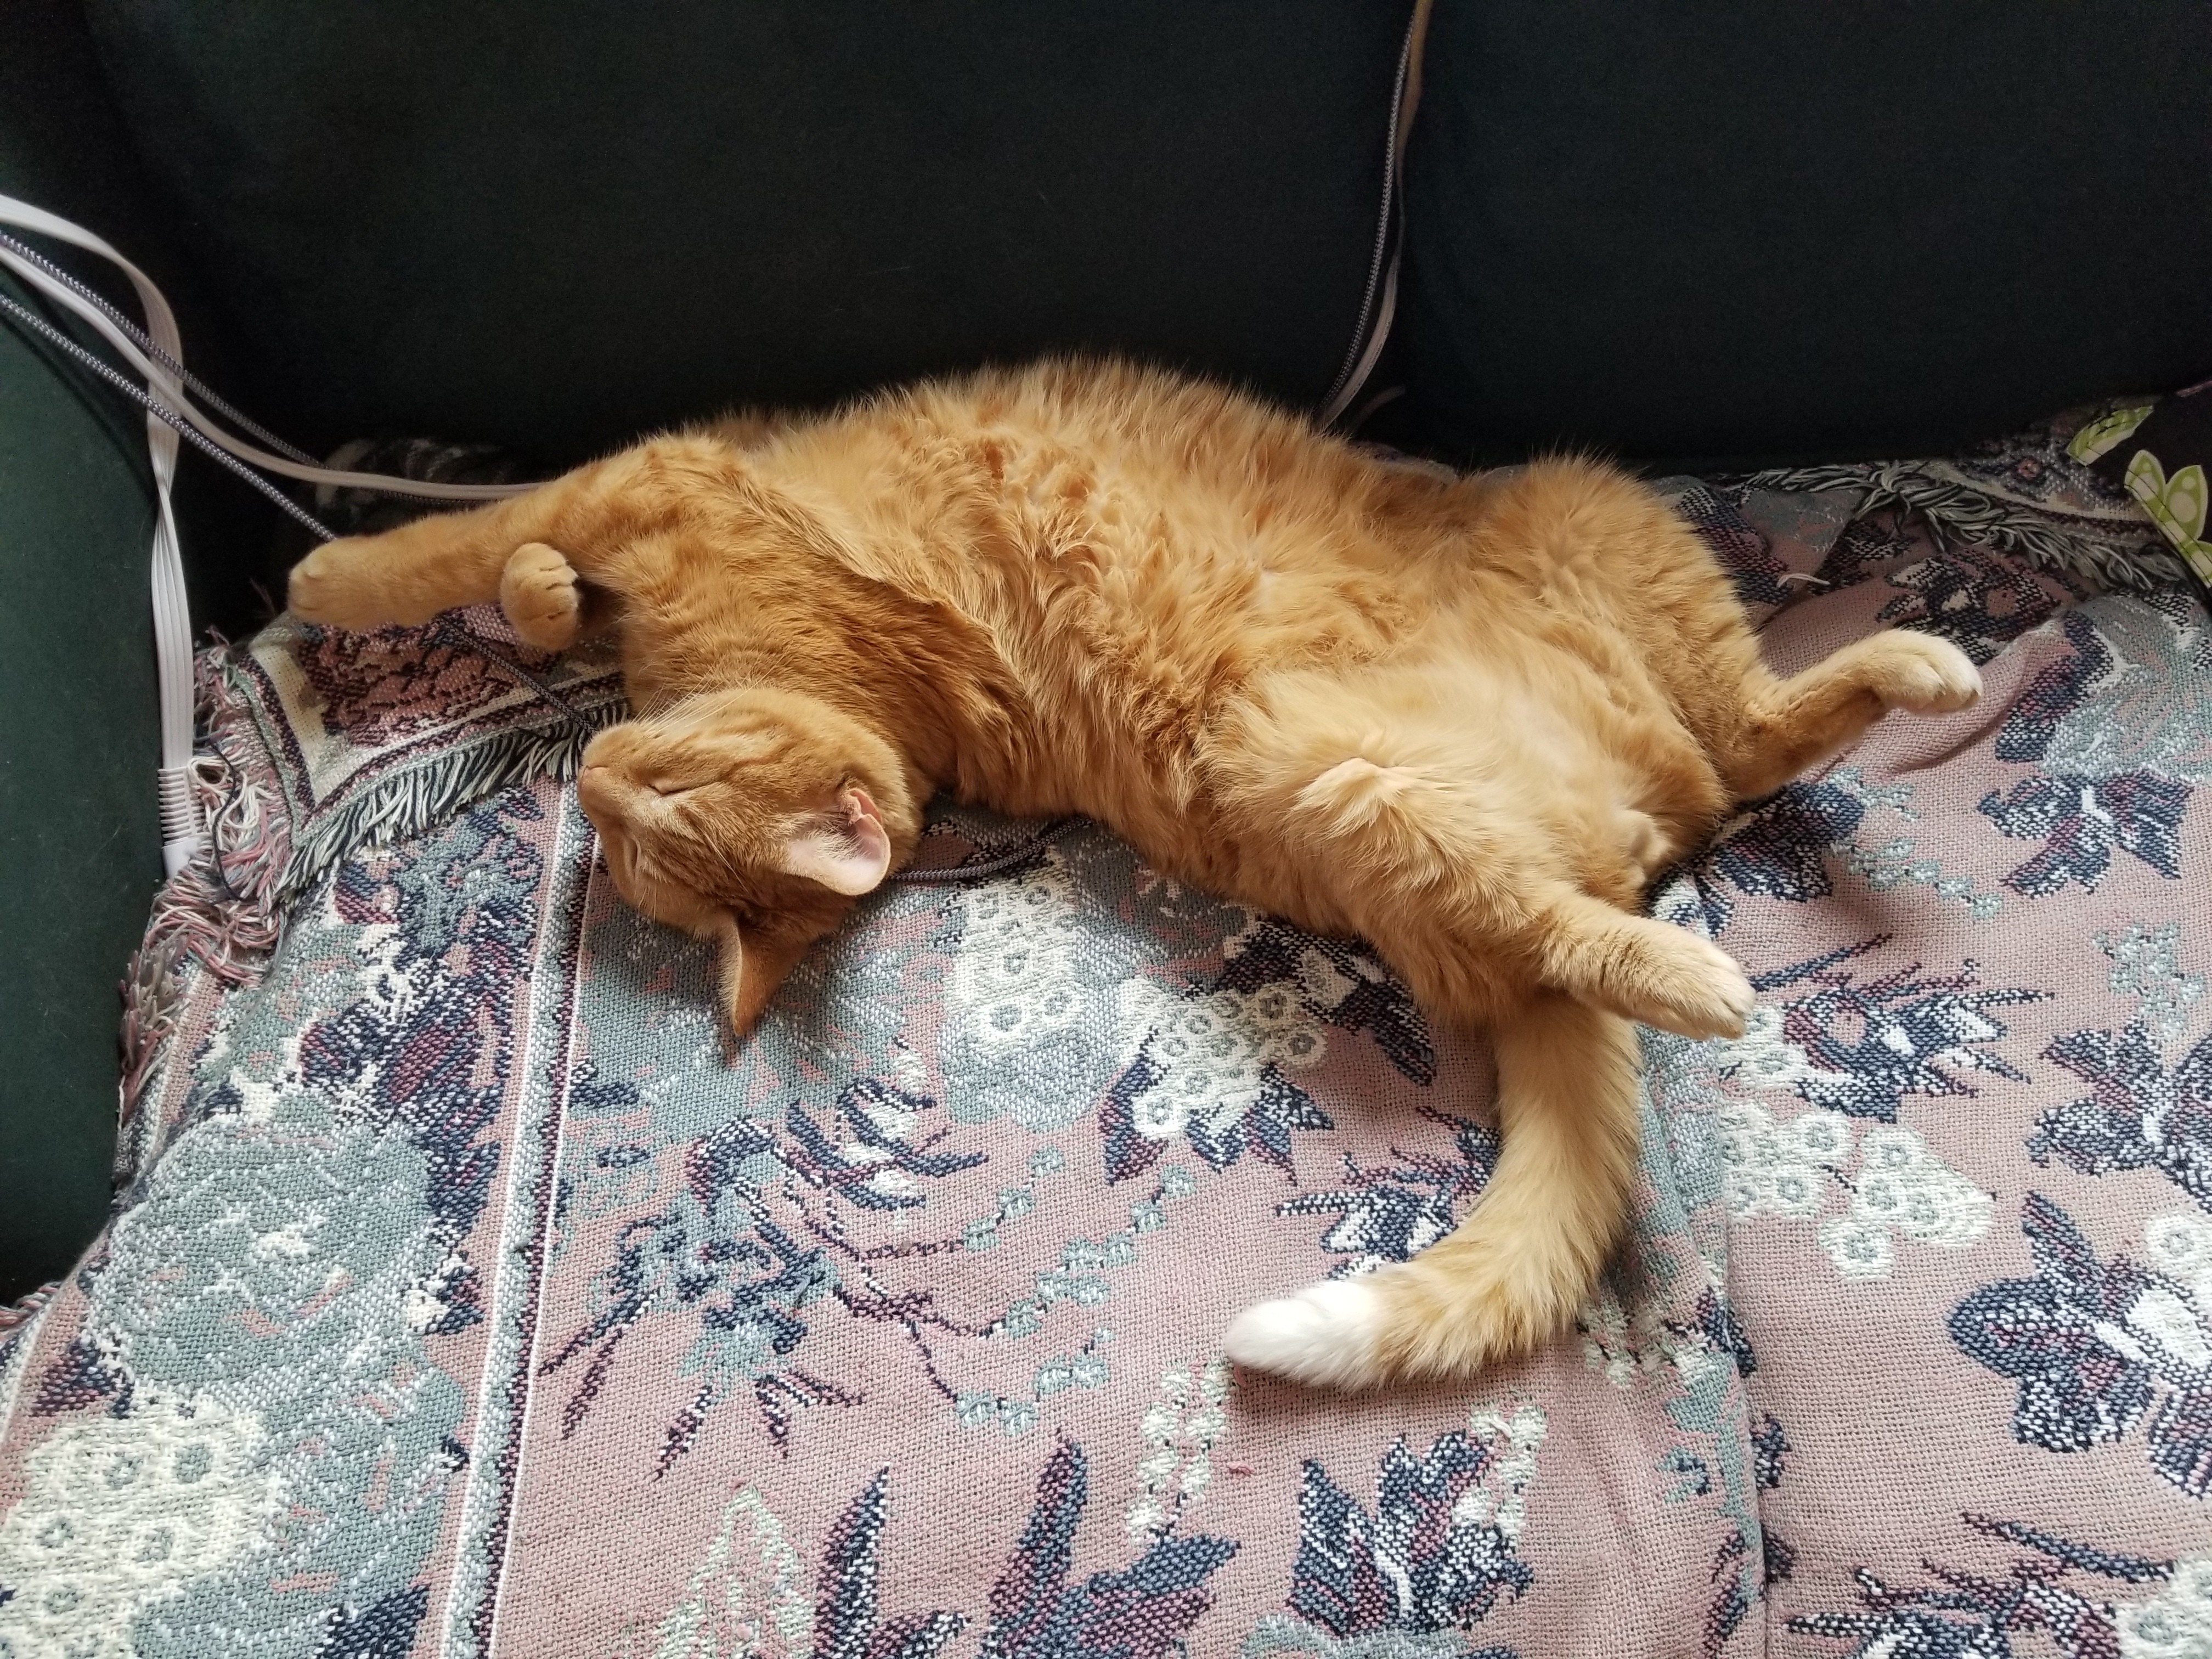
1734	987
1949	680
1725	1005
1326	1334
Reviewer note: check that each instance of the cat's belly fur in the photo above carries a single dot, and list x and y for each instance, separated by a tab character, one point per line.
1161	749
1197	610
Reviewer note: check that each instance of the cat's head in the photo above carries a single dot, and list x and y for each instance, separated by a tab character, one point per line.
752	817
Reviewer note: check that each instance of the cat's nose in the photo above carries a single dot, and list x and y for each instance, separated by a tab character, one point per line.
596	784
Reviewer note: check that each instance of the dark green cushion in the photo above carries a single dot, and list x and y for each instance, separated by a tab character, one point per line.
553	224
1716	231
79	840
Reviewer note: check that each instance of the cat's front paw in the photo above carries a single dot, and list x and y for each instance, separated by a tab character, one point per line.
538	591
332	587
1669	977
1922	674
1713	998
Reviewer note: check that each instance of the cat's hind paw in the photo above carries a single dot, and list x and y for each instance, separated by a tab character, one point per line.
1326	1335
1921	674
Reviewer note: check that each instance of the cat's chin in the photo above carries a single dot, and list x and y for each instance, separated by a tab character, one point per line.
1326	1335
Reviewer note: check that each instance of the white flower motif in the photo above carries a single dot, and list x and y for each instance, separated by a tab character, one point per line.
1515	1438
1750	1191
1905	1186
1821	1137
1796	1190
749	1594
1887	1146
116	1513
1679	903
1765	1058
1779	1169
1179	1431
1858	1249
2181	1248
1213	1051
1013	980
1899	1187
1626	1344
2167	1329
1881	1198
2175	1624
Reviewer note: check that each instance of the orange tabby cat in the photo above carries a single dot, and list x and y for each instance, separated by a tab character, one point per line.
1465	720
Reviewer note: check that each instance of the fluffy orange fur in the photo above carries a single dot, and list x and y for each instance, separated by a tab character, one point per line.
1466	720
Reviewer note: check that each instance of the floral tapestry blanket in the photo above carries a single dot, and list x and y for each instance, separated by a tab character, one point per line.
466	1296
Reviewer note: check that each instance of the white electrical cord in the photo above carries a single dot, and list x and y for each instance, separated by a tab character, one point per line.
161	361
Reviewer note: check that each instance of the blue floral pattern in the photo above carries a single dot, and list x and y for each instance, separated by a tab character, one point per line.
1141	1612
1869	1043
1432	1559
2093	1348
2118	733
1977	1615
2140	1115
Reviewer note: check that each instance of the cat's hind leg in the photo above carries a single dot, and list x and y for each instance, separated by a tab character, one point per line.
1788	725
1513	1271
1438	863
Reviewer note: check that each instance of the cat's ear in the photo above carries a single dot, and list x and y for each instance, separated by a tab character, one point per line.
754	968
849	851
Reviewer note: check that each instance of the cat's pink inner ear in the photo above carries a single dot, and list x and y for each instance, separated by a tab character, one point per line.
851	861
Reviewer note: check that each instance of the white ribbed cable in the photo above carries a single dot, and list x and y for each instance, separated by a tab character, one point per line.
163	368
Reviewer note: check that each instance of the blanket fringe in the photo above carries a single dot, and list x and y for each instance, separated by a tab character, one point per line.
288	857
222	913
418	799
1956	511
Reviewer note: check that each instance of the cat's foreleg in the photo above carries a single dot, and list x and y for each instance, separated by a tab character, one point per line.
588	520
1636	967
410	575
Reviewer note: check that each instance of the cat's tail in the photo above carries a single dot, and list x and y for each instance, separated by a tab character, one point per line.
1513	1274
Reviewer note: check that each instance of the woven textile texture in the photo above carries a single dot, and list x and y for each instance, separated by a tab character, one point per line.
466	1296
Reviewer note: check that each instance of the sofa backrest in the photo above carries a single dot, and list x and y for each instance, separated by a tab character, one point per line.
1718	232
552	223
